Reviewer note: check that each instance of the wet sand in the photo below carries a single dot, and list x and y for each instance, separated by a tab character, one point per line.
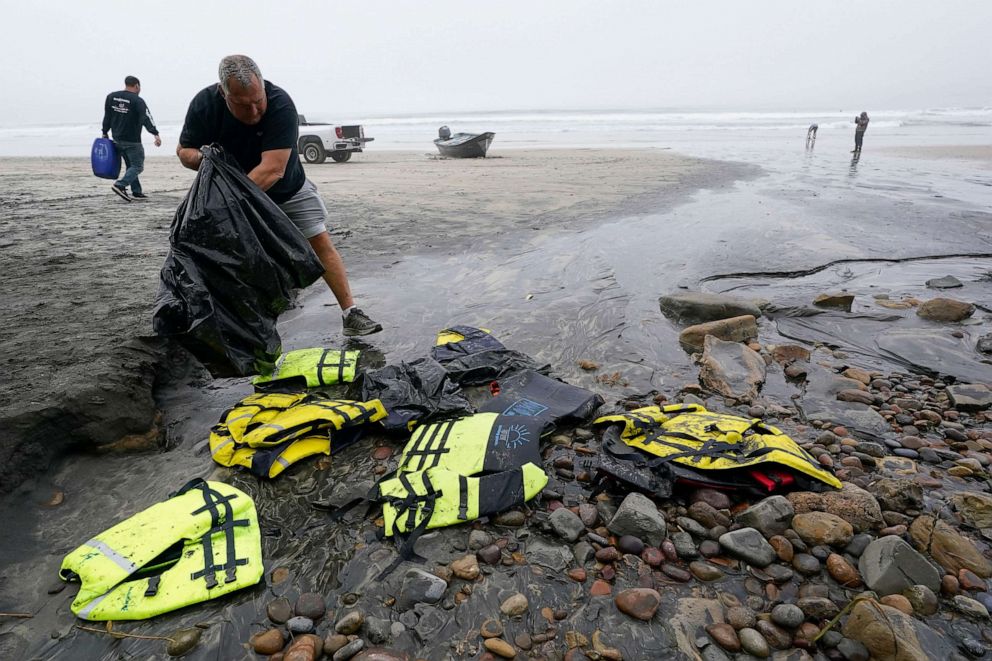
81	266
978	154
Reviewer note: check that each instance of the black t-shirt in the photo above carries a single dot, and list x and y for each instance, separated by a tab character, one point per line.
208	120
124	113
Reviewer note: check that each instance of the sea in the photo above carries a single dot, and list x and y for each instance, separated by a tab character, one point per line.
704	133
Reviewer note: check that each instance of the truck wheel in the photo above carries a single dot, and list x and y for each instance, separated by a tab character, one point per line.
340	156
313	152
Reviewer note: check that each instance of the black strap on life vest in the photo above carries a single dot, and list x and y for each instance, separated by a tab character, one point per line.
324	362
434	452
411	505
220	522
462	498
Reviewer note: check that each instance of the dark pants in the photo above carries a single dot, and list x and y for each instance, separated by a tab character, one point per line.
134	159
858	137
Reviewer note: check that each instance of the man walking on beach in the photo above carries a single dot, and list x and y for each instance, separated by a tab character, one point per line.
124	113
860	126
256	122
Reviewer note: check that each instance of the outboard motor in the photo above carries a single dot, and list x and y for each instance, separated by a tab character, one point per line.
444	133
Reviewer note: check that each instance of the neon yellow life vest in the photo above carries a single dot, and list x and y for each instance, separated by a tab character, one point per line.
310	368
691	435
202	543
459	470
267	433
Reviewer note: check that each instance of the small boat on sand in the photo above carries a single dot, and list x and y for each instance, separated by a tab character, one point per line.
463	145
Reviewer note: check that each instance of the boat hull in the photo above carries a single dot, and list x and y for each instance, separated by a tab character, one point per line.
465	145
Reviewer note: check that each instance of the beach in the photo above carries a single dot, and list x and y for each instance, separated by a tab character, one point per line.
563	253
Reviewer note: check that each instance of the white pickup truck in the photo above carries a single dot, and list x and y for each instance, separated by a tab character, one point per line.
318	141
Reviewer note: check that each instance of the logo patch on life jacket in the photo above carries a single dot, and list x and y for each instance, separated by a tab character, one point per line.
526	407
512	436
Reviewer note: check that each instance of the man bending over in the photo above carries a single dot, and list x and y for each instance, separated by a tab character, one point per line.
256	122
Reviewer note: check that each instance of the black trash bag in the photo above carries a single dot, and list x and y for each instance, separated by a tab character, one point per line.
480	357
416	391
531	393
235	258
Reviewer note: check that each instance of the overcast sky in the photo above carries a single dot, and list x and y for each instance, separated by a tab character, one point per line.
344	60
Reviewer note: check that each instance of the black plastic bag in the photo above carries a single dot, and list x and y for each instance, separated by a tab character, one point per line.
533	394
416	391
480	358
235	258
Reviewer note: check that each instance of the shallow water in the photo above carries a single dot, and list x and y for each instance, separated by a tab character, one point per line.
589	293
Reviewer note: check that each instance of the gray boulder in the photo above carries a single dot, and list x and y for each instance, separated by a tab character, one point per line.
970	396
698	307
420	587
731	369
639	516
771	516
748	545
889	565
567	524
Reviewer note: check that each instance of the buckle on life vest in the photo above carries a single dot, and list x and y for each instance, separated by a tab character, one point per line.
152	588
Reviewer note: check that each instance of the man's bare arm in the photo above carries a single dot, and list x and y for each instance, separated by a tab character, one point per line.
271	169
189	157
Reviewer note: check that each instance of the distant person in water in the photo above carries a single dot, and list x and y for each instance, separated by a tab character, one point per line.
860	126
124	113
811	133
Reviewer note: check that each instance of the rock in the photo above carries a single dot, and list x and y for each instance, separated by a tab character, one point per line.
740	617
350	623
753	643
806	564
970	396
600	588
970	582
707	516
466	568
377	630
500	648
491	554
183	640
787	615
735	329
306	648
420	587
588	514
771	516
974	508
818	608
889	565
852	650
630	544
952	550
685	548
705	571
491	628
310	604
783	547
747	544
268	642
860	396
899	602
934	349
718	500
510	519
725	636
945	309
922	599
279	610
550	556
816	528
946	282
891	635
970	607
898	495
567	524
333	642
697	307
839	301
842	571
514	605
639	603
854	505
676	573
381	654
300	624
775	635
819	404
348	651
652	557
731	369
479	539
638	516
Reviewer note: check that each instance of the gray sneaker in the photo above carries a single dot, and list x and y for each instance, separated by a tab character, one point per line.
358	323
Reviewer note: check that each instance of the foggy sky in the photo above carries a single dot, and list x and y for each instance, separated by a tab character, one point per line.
345	60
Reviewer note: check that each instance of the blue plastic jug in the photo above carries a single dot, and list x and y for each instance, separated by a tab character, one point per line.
105	159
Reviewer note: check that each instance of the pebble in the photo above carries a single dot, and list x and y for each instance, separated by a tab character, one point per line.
523	641
490	554
783	548
268	642
740	617
676	573
971	581
725	636
640	603
970	607
630	544
753	643
842	571
511	519
607	554
715	499
852	650
382	453
789	616
349	650
279	610
300	624
652	557
333	642
922	599
183	640
588	514
776	636
514	605
500	648
705	571
466	568
898	602
806	564
311	605
818	608
350	623
577	574
600	588
709	548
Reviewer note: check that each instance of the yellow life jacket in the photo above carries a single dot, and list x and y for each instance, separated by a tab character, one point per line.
201	543
689	434
310	368
267	433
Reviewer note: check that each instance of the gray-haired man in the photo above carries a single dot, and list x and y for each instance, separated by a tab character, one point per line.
256	122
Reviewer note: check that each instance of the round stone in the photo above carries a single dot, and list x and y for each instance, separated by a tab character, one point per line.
514	605
350	623
704	571
725	636
300	624
806	564
279	610
491	628
753	643
310	604
787	615
182	641
268	642
630	544
898	602
740	617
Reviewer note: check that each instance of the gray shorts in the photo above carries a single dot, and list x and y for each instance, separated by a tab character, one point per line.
307	210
